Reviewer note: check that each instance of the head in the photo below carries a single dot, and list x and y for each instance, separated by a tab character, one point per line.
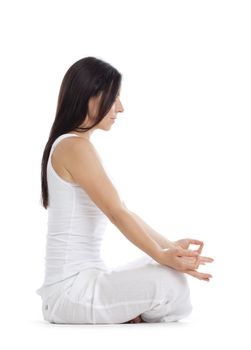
89	97
90	121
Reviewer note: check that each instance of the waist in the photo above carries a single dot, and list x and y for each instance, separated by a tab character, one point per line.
58	277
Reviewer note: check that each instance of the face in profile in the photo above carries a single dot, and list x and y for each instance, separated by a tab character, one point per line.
110	117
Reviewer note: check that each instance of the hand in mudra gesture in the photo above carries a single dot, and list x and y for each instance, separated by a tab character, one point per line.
199	260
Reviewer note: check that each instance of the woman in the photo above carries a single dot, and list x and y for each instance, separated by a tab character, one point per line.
80	197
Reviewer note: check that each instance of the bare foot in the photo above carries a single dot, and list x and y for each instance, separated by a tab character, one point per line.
137	319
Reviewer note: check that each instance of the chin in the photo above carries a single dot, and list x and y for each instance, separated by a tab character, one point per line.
106	128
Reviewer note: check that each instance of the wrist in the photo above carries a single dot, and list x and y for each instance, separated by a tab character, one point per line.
171	244
161	257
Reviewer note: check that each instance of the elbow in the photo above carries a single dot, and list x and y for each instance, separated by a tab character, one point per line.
117	214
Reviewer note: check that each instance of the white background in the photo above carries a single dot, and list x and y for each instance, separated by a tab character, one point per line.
179	155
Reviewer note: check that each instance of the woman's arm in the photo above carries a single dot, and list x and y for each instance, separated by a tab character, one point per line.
161	240
86	169
135	232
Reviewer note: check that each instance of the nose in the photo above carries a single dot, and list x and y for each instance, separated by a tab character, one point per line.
120	107
121	110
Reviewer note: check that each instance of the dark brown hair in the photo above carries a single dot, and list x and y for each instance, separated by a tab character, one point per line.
86	78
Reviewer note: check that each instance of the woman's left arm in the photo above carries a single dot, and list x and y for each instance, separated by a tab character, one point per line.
161	240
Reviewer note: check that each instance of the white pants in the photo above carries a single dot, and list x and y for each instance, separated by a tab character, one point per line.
141	287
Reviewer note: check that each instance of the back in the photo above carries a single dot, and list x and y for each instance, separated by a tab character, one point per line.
75	228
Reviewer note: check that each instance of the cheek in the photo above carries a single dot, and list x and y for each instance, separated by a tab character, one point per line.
110	113
113	109
107	119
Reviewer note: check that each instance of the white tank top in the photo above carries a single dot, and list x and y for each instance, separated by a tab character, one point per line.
75	228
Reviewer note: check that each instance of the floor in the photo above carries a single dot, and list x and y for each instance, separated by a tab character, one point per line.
197	331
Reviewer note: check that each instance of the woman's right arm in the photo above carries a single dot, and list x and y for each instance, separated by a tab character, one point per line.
136	233
82	161
126	222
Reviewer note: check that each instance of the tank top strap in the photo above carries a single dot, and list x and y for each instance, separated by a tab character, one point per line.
59	138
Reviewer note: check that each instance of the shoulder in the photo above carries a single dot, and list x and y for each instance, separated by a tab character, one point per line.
82	162
74	149
71	146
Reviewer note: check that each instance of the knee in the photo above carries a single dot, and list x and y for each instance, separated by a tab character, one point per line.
181	281
174	281
182	289
178	288
182	297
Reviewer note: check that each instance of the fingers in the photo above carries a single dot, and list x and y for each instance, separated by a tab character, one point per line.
192	263
200	248
200	243
191	260
186	252
202	259
199	275
194	241
206	259
189	263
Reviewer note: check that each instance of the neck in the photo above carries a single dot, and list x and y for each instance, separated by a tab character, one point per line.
84	134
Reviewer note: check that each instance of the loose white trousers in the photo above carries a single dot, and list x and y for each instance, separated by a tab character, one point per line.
141	287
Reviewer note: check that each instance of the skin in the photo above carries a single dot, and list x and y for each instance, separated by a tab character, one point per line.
137	319
106	124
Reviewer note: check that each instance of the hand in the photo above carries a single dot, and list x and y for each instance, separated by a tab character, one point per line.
184	243
178	258
200	260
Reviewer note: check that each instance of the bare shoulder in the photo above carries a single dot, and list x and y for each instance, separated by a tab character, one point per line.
77	149
70	150
79	145
70	147
86	168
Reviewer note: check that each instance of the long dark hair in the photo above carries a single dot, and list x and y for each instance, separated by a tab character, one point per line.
86	78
